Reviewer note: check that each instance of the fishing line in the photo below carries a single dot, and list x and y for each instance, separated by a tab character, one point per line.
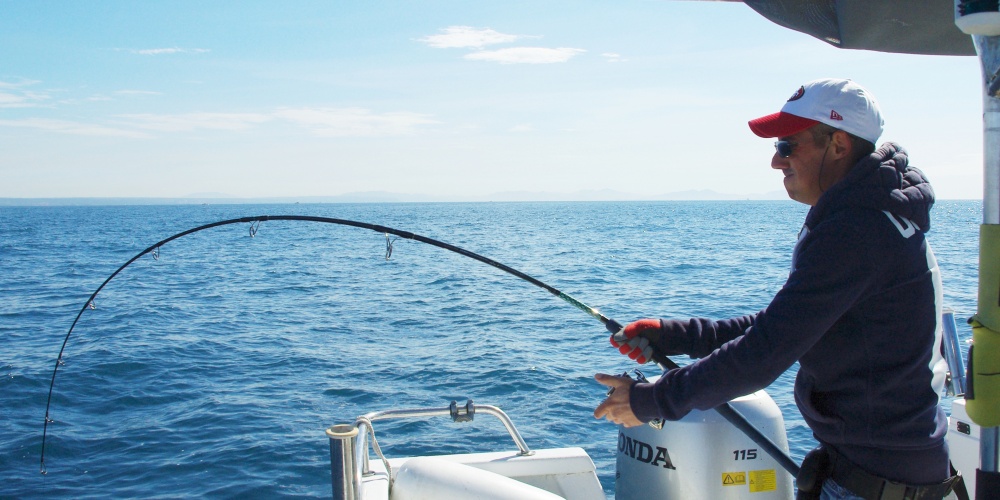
612	326
388	246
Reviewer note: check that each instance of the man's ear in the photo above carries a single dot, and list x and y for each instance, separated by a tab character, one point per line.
841	145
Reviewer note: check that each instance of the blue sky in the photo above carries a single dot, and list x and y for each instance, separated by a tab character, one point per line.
440	99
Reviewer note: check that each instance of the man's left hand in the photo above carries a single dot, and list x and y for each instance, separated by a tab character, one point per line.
616	407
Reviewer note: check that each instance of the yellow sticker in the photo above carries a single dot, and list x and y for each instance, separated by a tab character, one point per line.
734	478
763	480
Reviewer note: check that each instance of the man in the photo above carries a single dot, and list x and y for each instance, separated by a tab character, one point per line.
859	311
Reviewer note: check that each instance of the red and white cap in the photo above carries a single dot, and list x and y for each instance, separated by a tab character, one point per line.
841	104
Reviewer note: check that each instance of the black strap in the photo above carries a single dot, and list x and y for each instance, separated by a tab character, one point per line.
872	487
961	491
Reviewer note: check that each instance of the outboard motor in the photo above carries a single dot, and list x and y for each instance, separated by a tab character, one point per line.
703	456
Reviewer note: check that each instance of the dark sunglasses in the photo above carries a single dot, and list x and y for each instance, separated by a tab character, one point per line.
784	148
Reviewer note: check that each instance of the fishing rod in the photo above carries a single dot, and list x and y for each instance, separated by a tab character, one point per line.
725	409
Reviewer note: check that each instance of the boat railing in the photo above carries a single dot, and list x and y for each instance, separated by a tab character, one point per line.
349	443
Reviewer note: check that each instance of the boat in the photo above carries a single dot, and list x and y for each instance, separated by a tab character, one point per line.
668	460
681	460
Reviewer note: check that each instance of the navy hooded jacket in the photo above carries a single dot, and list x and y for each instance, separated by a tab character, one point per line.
860	313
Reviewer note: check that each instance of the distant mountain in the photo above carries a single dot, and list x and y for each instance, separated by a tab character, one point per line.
389	197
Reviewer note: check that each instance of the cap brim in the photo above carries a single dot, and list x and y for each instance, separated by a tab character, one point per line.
780	124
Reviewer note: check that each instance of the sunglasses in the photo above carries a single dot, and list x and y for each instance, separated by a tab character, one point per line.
784	148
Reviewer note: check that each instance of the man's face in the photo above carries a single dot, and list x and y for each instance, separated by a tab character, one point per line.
802	168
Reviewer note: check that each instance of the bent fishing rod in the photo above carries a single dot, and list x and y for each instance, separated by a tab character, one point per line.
725	410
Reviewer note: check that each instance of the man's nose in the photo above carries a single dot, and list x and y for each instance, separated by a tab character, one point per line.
777	162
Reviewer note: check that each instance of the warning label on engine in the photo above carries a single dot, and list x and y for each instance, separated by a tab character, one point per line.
734	478
763	480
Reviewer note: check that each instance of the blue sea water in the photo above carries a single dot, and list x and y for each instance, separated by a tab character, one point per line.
213	370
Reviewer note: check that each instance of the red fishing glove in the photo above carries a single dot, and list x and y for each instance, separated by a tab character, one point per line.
633	340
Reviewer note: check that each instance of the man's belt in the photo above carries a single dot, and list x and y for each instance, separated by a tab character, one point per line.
872	487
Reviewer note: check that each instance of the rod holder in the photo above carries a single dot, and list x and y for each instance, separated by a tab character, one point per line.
953	354
343	444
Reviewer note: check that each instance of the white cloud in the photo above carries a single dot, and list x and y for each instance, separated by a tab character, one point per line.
612	57
353	122
10	100
13	95
196	121
167	50
15	85
525	55
478	38
137	92
467	36
321	122
21	99
69	127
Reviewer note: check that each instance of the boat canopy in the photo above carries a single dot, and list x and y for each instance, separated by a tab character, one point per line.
905	26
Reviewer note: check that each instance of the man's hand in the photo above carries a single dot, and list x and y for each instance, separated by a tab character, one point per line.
634	340
616	407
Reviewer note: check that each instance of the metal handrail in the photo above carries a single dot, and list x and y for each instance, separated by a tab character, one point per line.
458	414
358	442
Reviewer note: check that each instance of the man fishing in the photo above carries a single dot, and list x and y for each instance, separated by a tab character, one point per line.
860	313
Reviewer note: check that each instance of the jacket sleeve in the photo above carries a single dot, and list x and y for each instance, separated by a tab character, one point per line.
698	337
832	270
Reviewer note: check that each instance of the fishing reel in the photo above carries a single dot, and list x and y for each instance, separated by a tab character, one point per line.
638	376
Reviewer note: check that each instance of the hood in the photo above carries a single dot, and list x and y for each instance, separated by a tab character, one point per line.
883	180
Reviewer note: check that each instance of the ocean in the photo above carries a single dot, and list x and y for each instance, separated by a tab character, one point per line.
213	369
